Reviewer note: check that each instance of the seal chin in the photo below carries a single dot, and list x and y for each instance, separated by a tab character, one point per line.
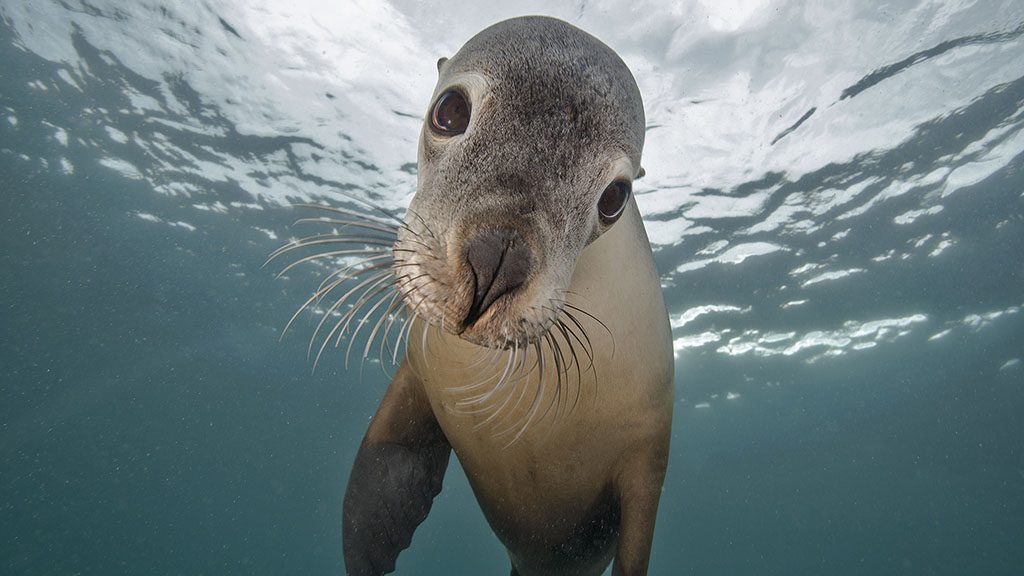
511	319
508	322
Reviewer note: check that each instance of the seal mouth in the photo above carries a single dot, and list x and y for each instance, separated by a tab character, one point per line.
477	315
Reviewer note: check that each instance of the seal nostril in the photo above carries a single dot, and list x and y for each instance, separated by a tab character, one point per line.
500	262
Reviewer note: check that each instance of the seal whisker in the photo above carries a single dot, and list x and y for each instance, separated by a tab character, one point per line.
490	357
486	355
496	411
328	254
344	274
323	239
525	380
421	243
412	314
404	264
441	324
306	304
390	231
563	374
422	221
379	277
323	290
337	236
350	212
397	248
490	368
405	226
514	364
406	288
368	295
518	380
588	347
342	325
389	314
483	397
362	322
440	333
494	360
407	280
565	365
556	400
416	307
423	344
584	342
334	253
575	361
403	332
339	302
504	375
400	313
422	239
537	395
351	272
362	201
595	319
387	347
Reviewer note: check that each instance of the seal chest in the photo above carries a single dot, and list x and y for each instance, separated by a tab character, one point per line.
539	347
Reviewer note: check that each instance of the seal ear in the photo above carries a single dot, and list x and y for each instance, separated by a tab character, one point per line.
640	174
440	62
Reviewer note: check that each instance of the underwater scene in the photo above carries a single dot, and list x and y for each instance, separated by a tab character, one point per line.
834	198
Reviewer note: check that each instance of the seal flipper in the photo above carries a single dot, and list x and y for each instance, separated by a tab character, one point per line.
397	472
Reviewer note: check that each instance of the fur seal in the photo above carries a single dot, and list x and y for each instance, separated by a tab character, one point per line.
538	346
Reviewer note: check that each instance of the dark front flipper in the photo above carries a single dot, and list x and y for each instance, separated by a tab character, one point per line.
397	473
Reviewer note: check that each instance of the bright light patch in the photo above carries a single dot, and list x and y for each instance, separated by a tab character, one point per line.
678	321
828	276
122	167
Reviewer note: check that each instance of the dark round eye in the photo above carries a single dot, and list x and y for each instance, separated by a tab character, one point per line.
613	201
451	114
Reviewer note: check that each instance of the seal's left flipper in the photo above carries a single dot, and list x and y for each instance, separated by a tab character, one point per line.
397	473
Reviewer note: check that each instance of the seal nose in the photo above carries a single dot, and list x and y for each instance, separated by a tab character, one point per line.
500	261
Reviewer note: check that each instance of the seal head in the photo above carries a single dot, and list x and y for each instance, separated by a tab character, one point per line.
527	154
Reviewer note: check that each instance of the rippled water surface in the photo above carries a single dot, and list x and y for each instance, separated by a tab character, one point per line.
835	197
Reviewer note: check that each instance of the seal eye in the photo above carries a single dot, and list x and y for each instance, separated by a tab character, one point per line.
613	201
451	114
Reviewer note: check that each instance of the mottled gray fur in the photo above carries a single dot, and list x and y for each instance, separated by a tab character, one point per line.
556	117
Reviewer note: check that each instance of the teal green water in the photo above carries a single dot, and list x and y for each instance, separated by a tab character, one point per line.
836	201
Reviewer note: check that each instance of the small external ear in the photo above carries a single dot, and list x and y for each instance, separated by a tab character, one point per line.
640	174
440	62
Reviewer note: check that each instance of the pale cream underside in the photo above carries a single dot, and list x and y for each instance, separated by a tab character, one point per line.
625	401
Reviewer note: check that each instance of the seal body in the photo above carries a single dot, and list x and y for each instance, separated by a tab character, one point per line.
552	497
541	350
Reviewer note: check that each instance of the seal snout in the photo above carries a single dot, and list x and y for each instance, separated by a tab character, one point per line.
500	262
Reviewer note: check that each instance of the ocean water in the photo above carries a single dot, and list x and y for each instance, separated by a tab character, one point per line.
834	192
